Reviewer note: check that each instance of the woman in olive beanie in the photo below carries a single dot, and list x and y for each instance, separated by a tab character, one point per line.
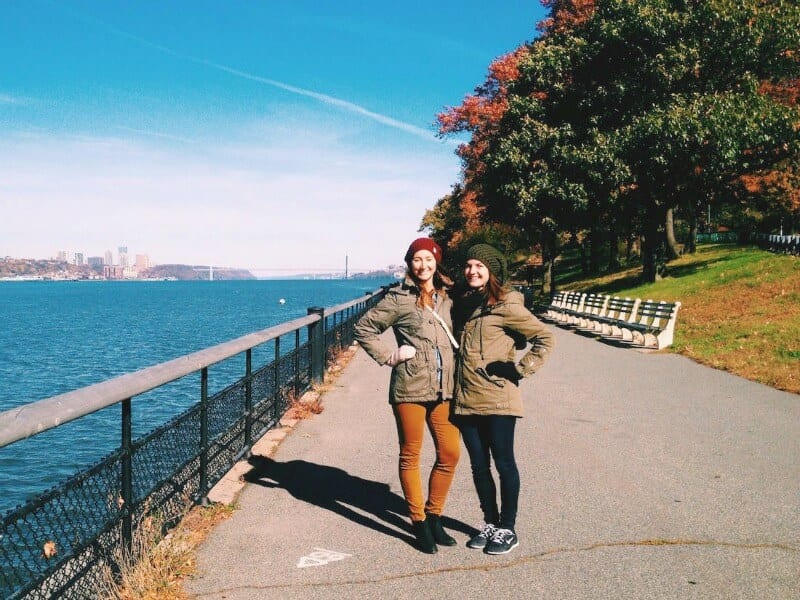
490	320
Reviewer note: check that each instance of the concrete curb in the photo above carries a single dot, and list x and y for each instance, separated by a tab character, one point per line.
227	489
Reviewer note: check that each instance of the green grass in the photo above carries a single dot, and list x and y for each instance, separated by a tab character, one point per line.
740	309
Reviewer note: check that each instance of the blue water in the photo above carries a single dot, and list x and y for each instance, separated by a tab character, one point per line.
60	336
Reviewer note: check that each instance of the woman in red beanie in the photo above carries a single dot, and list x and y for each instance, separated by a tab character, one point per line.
421	384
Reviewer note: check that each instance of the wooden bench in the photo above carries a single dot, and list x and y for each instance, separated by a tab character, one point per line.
594	306
573	316
655	324
574	308
556	304
572	305
649	324
619	312
561	302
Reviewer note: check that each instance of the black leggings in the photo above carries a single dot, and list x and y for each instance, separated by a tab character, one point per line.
485	436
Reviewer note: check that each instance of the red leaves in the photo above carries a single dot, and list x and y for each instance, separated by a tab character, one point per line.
505	68
782	186
475	112
486	107
786	92
565	15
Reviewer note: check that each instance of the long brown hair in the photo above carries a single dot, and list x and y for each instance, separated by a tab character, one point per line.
494	290
441	281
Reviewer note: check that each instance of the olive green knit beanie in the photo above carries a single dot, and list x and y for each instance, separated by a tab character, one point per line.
492	258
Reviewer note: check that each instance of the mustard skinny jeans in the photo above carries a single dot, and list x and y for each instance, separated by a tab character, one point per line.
411	418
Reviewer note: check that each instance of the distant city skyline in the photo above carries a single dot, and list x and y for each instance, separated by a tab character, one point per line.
69	256
293	136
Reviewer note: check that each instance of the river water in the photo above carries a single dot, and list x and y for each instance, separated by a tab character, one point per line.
60	336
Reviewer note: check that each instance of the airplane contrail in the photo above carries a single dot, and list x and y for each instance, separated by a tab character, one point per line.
324	98
159	134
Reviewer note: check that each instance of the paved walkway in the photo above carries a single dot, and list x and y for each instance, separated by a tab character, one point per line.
643	476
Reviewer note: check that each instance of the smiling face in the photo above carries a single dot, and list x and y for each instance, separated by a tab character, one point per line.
476	274
423	266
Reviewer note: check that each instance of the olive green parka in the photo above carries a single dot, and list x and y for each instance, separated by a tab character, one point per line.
417	379
489	334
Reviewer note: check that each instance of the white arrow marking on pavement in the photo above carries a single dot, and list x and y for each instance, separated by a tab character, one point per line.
320	557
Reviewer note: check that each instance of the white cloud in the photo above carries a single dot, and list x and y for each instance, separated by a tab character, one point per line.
299	199
7	99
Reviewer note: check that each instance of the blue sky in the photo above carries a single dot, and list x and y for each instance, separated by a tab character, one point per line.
271	135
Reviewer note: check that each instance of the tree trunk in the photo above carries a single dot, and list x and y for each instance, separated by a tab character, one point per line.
594	249
613	249
652	253
648	260
691	244
584	258
669	227
548	281
548	266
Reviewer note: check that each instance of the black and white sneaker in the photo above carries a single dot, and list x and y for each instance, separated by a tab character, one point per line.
503	541
479	541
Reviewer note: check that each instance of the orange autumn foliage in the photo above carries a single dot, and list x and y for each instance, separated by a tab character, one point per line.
487	105
565	15
783	186
479	113
785	92
474	112
471	210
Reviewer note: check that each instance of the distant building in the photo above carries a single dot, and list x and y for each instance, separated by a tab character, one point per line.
142	262
113	272
95	261
62	256
108	258
123	256
78	259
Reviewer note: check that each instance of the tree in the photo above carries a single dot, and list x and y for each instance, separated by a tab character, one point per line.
625	111
460	213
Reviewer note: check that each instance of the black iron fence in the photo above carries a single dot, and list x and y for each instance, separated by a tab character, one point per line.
64	542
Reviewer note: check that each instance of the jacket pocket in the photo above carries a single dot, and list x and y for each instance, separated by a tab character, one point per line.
415	364
482	372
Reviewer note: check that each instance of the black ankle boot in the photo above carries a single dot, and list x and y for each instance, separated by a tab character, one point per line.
439	534
422	532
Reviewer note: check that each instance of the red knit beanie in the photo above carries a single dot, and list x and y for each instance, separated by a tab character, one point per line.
424	244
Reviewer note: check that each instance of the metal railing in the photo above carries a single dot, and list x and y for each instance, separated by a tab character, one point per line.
720	237
785	244
63	542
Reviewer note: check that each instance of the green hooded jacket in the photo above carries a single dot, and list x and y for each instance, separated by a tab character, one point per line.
417	379
490	334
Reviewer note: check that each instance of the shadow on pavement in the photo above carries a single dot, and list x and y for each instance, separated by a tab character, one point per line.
336	490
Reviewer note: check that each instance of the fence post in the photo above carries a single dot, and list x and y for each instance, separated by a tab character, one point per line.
126	495
248	402
278	402
296	363
203	485
316	338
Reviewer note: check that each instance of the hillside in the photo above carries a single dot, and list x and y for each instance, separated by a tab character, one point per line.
740	309
189	272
